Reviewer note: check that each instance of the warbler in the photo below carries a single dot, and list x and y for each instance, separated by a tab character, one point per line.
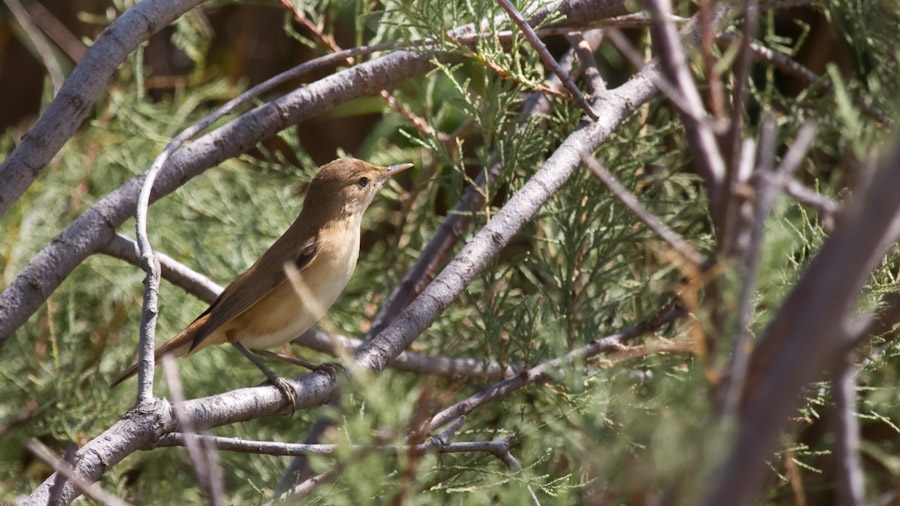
297	280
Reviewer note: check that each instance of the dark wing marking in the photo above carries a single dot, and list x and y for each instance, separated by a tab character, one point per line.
255	283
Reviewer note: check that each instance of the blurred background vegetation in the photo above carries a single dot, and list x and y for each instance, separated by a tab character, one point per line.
627	429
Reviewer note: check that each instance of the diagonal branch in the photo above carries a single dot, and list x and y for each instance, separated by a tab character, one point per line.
612	342
73	102
547	58
135	432
806	337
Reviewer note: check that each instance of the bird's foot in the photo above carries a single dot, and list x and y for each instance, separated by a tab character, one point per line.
331	368
289	392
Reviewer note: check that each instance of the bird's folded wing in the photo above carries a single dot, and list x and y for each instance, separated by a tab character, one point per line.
255	283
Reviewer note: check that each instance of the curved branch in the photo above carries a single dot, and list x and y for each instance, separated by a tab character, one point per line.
66	112
148	423
96	227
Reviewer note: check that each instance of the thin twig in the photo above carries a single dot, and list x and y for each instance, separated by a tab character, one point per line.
280	449
172	270
701	137
41	44
92	490
544	371
203	455
765	198
150	308
584	45
60	481
732	137
678	243
547	58
826	207
791	67
850	482
806	338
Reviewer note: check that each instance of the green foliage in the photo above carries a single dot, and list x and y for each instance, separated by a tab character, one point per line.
635	425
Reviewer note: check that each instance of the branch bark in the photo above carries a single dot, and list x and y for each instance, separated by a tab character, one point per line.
805	337
73	102
147	423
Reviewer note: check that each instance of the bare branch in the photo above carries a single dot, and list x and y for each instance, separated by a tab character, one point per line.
701	137
81	88
544	371
547	58
789	66
280	449
585	44
41	45
64	39
850	483
90	489
61	479
651	220
172	270
826	207
203	455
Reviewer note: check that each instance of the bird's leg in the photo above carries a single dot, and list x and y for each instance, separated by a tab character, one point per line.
280	383
331	368
285	358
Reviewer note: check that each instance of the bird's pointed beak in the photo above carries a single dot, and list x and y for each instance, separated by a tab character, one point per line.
396	169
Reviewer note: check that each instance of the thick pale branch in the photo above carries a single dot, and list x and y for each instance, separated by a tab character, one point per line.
136	431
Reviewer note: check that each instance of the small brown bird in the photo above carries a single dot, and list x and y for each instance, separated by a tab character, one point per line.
294	283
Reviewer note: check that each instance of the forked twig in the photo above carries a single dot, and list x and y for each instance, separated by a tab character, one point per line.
547	58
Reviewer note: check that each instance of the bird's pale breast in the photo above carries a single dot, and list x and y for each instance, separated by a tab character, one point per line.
292	308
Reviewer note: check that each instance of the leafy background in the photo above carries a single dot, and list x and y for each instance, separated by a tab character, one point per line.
626	429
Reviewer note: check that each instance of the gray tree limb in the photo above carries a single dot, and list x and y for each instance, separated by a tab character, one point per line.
147	423
73	102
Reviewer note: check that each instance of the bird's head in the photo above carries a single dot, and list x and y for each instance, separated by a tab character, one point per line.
346	187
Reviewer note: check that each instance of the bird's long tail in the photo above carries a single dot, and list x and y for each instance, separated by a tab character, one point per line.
178	346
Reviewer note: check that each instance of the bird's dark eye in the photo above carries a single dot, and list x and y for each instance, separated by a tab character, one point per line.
363	182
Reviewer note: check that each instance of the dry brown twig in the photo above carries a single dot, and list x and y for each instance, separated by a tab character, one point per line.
547	58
